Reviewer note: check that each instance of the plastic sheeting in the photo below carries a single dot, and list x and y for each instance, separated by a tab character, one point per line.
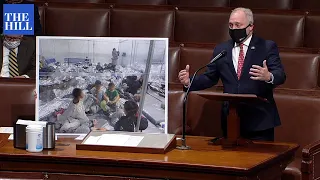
56	89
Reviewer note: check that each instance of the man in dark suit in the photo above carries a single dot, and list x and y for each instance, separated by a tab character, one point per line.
251	66
37	22
18	57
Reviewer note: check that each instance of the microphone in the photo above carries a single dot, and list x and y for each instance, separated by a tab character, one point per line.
183	139
222	53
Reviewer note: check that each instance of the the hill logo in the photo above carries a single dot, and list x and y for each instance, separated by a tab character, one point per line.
18	19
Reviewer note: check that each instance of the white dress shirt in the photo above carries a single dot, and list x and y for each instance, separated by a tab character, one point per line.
236	52
5	62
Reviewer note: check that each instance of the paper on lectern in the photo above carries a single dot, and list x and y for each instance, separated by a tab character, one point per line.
134	141
29	122
92	140
114	140
6	130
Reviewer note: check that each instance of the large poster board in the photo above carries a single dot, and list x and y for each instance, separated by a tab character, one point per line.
112	84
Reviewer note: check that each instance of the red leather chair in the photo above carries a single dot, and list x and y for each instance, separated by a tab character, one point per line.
76	21
17	100
142	23
199	3
270	4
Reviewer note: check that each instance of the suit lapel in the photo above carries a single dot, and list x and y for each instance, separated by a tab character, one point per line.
22	53
248	59
229	59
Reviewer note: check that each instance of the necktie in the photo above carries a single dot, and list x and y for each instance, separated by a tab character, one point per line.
13	64
240	61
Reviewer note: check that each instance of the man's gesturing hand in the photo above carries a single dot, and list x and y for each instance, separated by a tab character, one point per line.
184	76
260	73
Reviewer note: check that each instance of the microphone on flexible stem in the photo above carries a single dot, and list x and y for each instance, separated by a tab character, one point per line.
183	139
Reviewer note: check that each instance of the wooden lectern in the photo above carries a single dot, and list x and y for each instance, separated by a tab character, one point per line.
233	121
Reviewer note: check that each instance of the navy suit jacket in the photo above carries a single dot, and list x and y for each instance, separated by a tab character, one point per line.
254	117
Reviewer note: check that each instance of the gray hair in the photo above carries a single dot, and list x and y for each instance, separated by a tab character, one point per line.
247	11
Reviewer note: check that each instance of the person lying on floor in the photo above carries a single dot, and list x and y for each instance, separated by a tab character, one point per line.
74	118
133	84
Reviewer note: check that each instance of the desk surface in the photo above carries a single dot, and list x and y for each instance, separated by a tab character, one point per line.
202	158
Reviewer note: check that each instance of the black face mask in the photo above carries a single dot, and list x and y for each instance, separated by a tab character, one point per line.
238	35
